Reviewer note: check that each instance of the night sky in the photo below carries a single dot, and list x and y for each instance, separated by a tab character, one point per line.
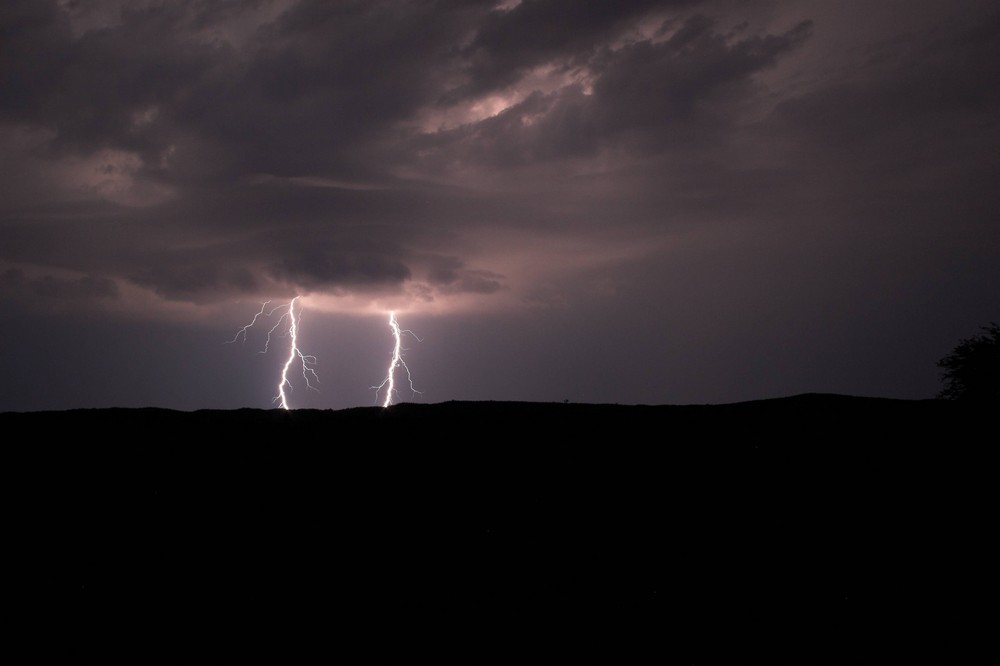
628	201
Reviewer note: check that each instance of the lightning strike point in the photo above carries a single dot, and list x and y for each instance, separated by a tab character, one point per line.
389	383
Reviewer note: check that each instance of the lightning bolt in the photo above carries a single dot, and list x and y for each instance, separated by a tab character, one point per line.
307	361
389	383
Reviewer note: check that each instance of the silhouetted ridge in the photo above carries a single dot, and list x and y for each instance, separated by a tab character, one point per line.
807	417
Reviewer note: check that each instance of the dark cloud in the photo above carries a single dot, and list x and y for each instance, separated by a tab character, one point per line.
453	277
474	282
179	276
324	87
539	32
318	269
315	88
297	96
120	86
646	96
698	71
16	284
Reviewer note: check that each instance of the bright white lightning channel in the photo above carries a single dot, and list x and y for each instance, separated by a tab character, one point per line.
307	361
389	383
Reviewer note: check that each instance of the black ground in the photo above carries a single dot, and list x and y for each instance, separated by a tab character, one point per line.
812	529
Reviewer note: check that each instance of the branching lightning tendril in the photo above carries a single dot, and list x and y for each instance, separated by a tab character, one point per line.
389	383
307	360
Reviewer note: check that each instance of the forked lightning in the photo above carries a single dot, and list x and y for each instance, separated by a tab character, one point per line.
389	383
294	352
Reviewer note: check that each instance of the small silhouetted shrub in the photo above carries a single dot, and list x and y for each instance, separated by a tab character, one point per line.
972	369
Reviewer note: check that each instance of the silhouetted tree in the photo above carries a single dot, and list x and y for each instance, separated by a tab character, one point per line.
972	369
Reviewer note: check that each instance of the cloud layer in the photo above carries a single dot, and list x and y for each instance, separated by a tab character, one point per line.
230	148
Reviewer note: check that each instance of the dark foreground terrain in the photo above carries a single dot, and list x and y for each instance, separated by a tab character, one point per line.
811	529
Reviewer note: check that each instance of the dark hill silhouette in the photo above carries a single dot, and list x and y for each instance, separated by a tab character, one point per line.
808	416
840	520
